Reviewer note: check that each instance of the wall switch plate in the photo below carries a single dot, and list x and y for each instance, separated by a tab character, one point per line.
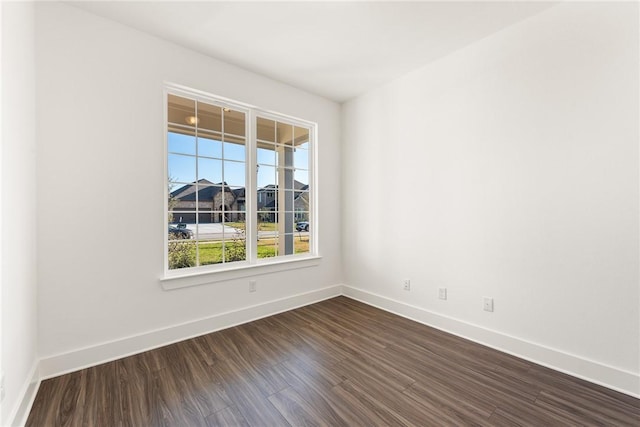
407	285
442	293
252	285
488	304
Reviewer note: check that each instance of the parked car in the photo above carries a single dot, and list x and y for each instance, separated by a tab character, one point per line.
181	225
180	233
302	226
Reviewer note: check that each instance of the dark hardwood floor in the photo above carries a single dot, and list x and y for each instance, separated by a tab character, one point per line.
335	363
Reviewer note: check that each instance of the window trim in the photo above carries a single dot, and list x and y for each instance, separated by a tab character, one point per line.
252	265
206	277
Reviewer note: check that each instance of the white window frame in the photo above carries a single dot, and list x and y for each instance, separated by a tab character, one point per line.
178	278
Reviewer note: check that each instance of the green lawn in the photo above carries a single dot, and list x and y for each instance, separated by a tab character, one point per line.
212	252
267	248
262	226
267	226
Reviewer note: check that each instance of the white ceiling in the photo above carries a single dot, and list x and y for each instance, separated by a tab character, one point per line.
334	49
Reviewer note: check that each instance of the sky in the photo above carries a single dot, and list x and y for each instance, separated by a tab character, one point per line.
210	161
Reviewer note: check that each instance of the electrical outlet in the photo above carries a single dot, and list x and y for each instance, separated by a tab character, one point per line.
488	304
1	386
252	285
407	284
442	293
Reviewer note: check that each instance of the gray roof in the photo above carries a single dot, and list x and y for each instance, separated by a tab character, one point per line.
207	190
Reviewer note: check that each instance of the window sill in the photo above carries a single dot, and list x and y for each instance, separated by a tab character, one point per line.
169	283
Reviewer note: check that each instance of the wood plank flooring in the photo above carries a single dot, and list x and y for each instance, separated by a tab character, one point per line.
335	363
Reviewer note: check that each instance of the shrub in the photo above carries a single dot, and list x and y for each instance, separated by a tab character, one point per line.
181	255
236	250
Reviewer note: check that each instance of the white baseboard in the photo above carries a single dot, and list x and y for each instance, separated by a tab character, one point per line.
19	414
623	381
91	356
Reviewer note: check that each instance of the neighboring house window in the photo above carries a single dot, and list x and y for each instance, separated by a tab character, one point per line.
239	184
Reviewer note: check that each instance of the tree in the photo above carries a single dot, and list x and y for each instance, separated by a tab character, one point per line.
173	201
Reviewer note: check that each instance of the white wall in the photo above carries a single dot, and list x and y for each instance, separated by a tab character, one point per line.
100	182
509	169
19	326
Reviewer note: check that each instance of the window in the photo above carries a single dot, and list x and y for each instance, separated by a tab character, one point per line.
282	186
239	185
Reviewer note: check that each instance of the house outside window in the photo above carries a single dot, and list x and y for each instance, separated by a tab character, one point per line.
239	179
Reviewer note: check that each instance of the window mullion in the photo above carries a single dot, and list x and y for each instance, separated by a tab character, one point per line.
251	189
223	138
313	192
197	185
